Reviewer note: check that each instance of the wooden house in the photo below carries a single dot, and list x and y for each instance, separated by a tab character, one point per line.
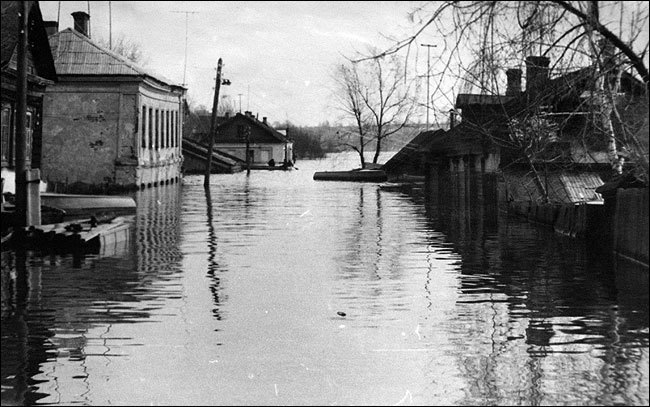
265	142
560	169
40	74
109	125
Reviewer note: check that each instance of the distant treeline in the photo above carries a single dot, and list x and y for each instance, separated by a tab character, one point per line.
317	141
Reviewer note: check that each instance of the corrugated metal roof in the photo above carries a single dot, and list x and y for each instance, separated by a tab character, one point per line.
562	187
76	54
582	186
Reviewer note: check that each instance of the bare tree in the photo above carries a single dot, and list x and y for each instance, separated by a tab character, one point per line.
129	49
380	99
226	106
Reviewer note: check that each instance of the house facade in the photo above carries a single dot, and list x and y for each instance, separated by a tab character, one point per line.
40	74
108	124
265	142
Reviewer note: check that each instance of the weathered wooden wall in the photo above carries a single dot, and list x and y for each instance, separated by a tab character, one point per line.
630	232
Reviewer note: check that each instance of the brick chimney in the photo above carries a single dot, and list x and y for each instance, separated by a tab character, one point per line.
264	120
51	27
81	22
514	82
536	75
452	119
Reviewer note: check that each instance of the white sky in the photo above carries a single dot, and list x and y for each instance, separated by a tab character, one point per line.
284	51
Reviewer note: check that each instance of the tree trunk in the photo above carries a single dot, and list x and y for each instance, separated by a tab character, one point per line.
377	150
604	94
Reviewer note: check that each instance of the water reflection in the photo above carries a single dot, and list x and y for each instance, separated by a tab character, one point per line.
276	289
542	312
58	309
213	265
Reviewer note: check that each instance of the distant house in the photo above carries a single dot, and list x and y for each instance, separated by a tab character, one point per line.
108	124
265	142
40	74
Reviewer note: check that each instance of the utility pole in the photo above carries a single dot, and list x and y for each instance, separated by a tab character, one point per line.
240	94
110	26
213	126
247	134
429	46
187	13
21	109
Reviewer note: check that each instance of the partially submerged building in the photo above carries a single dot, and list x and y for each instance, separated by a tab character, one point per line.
108	124
535	149
265	142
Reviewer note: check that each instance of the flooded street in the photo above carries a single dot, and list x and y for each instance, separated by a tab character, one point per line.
277	289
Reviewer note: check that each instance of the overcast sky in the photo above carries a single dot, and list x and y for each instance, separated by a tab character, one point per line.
284	52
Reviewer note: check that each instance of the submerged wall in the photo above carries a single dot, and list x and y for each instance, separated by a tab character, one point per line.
630	225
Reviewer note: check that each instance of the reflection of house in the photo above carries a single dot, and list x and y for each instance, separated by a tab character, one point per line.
266	143
108	124
40	73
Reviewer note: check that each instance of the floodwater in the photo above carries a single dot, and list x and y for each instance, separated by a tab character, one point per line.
275	289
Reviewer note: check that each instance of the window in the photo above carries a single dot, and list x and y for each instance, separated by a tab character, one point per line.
176	132
173	128
6	133
167	134
144	127
29	135
157	138
150	144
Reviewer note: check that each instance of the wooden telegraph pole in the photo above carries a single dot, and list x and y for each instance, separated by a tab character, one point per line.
213	125
22	165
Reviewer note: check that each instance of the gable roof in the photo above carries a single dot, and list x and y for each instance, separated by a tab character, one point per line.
251	120
408	153
37	37
76	54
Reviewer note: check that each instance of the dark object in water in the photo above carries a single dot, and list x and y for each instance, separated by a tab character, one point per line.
341	313
353	175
